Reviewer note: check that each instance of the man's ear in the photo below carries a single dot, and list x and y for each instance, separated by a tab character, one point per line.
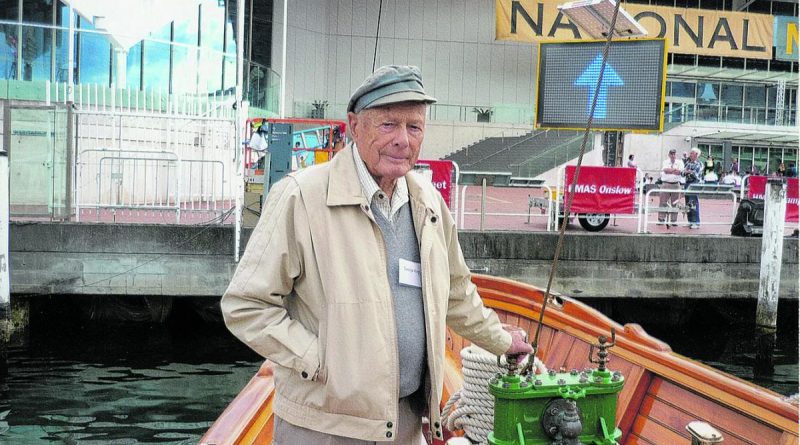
352	122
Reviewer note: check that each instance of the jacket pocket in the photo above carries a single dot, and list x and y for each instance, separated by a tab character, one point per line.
360	360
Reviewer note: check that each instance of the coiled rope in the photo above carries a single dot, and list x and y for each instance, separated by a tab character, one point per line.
471	409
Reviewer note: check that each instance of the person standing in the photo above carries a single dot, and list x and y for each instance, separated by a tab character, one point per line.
351	278
709	167
631	162
735	165
693	172
670	180
781	170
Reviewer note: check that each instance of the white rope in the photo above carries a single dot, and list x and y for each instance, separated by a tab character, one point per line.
472	408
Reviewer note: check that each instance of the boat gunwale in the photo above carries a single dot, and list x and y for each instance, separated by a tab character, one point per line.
638	348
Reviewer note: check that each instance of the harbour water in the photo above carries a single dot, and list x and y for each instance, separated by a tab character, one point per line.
111	382
78	381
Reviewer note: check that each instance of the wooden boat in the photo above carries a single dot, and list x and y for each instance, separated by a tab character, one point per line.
663	391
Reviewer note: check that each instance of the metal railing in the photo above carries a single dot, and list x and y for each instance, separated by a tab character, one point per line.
149	180
186	79
550	206
548	215
647	210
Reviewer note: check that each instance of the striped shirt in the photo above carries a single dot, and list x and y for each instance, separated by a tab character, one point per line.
387	206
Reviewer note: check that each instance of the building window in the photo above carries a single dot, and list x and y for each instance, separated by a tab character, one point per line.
36	41
185	53
156	59
94	62
682	89
133	73
212	25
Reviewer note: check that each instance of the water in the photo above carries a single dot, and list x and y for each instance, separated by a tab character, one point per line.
90	382
81	382
717	332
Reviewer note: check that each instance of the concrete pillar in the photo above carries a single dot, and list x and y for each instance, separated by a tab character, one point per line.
71	56
120	67
727	156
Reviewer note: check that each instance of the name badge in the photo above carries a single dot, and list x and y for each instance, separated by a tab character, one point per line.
410	273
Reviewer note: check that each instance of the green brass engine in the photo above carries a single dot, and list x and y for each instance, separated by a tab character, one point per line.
558	408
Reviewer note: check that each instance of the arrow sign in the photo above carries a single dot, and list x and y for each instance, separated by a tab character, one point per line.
589	79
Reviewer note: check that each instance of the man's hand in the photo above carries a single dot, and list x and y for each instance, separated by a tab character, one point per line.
519	345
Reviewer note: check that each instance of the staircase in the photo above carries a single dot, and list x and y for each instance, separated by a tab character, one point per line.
527	155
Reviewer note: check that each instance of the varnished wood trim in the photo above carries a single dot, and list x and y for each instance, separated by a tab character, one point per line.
631	409
246	413
633	345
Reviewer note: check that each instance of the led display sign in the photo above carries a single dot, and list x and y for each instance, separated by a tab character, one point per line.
630	96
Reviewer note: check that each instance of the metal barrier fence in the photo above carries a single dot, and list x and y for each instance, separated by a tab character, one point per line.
99	98
503	208
647	210
166	164
483	213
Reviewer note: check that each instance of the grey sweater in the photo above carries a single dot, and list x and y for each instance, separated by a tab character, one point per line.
409	312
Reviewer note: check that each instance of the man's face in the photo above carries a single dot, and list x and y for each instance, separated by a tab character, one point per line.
693	155
389	139
672	155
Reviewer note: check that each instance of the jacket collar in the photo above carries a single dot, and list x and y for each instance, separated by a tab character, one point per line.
344	187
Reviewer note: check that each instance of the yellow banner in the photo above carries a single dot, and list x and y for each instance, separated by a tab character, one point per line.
688	31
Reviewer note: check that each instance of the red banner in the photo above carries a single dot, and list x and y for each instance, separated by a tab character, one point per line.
758	185
442	177
602	190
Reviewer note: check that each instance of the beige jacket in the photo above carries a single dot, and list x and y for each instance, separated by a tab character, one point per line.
311	294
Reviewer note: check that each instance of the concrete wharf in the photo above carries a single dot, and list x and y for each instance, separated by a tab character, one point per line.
198	261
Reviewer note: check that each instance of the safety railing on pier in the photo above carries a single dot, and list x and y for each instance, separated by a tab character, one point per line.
534	205
142	167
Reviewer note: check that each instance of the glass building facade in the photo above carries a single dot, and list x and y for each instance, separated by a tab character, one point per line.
709	96
193	53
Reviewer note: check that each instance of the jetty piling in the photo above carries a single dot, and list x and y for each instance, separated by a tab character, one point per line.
769	278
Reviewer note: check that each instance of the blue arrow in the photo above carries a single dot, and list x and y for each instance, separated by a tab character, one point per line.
589	79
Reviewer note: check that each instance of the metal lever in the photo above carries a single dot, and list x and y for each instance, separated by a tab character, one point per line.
603	347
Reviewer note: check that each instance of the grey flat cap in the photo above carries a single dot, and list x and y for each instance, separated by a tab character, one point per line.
388	85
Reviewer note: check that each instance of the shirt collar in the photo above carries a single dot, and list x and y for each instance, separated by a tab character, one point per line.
368	184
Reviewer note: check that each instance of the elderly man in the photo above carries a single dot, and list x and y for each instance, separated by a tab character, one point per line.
352	276
693	172
670	180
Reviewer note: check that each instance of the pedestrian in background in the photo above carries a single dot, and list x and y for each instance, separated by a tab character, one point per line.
693	173
670	180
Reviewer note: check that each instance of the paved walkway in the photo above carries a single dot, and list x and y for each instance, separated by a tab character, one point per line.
506	208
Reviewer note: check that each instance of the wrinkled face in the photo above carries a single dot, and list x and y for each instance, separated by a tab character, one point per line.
389	139
693	155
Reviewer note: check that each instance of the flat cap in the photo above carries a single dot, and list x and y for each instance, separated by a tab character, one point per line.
672	150
388	85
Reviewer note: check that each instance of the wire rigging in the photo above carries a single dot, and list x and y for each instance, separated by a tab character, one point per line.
377	34
570	196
